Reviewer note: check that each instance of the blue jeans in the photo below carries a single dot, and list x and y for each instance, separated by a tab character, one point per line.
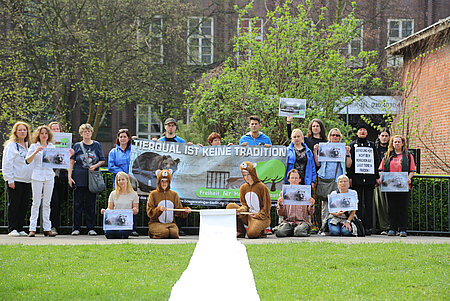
338	230
121	234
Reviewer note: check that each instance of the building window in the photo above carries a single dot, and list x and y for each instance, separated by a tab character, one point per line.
250	27
155	41
200	41
398	29
148	123
354	47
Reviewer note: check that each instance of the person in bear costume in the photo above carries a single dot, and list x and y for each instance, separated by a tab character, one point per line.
161	224
255	198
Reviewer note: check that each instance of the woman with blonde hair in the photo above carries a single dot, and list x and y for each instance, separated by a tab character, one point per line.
397	159
123	197
88	156
17	175
42	180
300	157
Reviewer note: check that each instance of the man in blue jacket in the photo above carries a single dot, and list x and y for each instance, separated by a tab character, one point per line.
255	137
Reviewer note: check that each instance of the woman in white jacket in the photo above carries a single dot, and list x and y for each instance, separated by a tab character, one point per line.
42	180
17	175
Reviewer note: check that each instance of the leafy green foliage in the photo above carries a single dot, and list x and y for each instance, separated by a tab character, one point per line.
298	58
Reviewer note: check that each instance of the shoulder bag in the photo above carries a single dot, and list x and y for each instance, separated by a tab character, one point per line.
96	181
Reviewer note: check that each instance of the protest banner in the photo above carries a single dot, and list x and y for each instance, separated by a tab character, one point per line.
364	160
62	140
209	175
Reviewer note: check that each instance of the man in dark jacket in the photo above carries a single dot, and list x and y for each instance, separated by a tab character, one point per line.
364	174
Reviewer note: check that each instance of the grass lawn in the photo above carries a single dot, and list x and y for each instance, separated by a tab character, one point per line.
293	271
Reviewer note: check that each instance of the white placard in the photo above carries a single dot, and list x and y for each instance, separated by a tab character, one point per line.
364	160
62	140
292	107
332	152
56	158
394	182
119	219
296	194
343	201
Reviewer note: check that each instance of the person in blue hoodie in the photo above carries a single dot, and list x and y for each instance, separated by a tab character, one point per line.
301	158
119	156
255	137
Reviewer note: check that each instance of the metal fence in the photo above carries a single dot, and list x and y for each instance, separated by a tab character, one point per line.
428	209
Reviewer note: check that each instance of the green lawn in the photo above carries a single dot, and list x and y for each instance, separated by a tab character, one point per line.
293	271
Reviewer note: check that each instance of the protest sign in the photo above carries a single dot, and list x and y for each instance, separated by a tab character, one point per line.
364	160
292	107
394	182
62	140
343	201
296	194
208	175
332	152
55	158
118	219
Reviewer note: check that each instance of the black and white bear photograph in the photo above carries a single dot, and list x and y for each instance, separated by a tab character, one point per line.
394	181
144	167
55	158
343	201
332	152
296	194
118	220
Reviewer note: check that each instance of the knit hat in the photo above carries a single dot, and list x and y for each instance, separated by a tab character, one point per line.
362	125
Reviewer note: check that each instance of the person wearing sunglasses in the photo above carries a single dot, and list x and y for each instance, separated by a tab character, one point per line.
328	174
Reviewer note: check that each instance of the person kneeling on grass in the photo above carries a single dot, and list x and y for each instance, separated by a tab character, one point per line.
296	218
123	197
255	199
161	224
340	223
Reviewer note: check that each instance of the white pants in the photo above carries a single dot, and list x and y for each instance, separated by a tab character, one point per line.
42	190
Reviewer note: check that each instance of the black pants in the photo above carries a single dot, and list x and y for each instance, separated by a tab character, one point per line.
365	204
59	197
398	210
83	200
18	205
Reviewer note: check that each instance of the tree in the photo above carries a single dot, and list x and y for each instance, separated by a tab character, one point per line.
271	171
298	58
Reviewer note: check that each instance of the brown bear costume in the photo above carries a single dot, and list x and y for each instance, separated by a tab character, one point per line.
254	198
161	224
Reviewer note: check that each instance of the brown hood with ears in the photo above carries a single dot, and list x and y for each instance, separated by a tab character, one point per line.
163	174
251	168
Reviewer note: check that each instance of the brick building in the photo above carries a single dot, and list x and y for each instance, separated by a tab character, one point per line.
426	65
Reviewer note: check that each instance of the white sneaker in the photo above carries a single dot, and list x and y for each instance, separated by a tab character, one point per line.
75	232
54	230
92	232
14	233
23	233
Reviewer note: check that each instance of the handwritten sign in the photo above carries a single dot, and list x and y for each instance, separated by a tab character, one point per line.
364	160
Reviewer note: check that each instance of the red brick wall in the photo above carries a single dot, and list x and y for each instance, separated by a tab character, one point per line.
430	76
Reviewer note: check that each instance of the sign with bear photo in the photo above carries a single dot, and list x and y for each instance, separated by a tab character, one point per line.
296	194
118	219
332	152
208	175
343	201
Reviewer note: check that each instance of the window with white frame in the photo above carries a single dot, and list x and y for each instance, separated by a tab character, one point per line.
200	41
155	41
354	47
249	26
398	29
148	123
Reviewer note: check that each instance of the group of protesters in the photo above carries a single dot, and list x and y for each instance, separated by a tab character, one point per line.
25	177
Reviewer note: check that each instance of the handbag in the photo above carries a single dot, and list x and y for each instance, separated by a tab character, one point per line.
326	186
96	181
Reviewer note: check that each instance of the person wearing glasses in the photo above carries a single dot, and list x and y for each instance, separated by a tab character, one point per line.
328	174
119	160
